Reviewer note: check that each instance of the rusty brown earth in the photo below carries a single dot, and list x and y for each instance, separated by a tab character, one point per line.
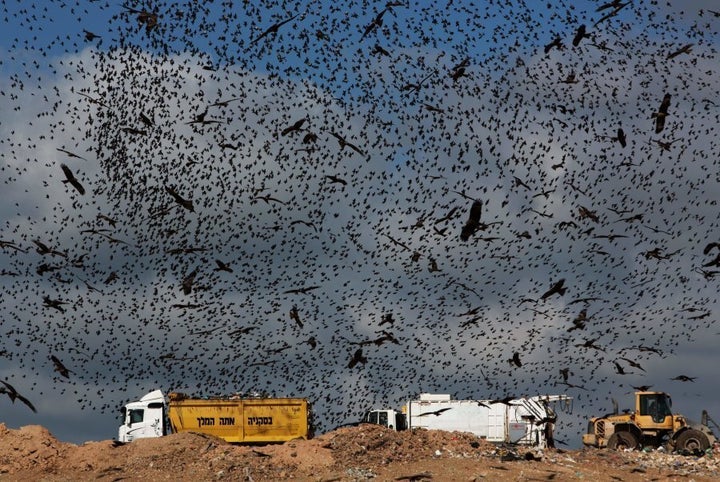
365	452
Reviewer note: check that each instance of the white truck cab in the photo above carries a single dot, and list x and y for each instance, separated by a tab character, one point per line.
144	418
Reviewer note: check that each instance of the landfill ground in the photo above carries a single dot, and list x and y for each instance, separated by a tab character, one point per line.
365	452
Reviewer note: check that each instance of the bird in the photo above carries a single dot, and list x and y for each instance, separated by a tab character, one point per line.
149	19
59	367
185	203
621	138
89	36
222	266
225	102
612	4
515	360
54	303
619	369
665	145
684	378
268	199
295	316
473	222
146	120
344	143
13	394
579	35
556	43
188	282
303	290
633	364
201	118
376	22
558	288
685	49
336	179
387	318
642	388
661	114
273	29
43	249
579	321
437	412
458	70
71	154
616	7
379	50
297	126
357	358
590	344
70	178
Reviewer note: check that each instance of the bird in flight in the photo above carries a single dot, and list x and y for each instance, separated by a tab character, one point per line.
357	358
437	413
295	316
684	378
661	113
297	126
71	154
222	266
52	303
473	222
150	19
685	49
186	203
90	36
70	178
59	367
272	29
336	179
580	34
303	290
556	43
557	288
344	143
13	394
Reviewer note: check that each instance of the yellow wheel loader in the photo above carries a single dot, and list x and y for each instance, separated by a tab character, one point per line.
651	424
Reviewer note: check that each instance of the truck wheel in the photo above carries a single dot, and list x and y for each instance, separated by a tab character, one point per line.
622	440
692	440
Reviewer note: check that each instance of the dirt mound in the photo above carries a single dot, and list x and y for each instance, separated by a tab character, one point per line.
365	452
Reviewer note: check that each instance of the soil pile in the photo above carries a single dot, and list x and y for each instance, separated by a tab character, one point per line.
365	452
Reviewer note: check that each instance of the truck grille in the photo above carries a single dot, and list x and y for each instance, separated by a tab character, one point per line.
600	428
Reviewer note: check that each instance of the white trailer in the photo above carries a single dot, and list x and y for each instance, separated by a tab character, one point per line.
524	421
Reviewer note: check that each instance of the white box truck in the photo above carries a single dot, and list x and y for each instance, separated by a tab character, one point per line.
524	421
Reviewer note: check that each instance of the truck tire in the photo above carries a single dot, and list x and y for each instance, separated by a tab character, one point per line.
622	440
692	440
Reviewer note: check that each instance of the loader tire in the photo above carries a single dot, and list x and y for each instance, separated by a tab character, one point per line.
621	441
692	440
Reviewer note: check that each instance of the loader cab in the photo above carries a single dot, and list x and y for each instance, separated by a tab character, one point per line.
144	419
653	410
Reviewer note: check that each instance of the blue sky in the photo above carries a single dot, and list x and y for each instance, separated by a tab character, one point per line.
537	151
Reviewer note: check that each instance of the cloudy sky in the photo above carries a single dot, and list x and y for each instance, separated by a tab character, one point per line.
343	234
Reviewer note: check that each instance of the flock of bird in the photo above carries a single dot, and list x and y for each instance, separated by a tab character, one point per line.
355	203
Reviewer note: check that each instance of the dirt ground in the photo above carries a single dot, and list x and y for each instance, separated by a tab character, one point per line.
365	452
